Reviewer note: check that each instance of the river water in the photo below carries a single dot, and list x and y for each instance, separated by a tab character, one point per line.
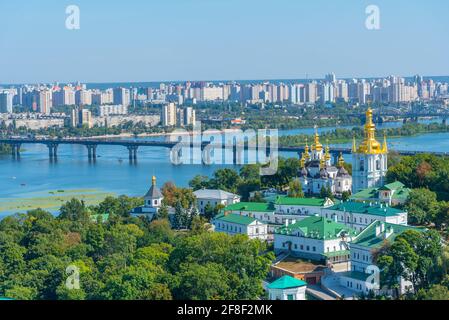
112	172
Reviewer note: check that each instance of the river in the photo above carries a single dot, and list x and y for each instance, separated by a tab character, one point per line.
34	173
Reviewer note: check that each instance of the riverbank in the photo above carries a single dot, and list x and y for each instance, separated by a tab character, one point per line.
342	136
51	200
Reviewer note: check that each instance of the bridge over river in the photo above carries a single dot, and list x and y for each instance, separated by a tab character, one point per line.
133	146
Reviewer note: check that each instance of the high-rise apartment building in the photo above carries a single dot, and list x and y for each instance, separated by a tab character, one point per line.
45	102
168	116
6	102
189	116
122	96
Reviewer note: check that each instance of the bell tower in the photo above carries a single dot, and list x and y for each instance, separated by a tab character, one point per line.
369	159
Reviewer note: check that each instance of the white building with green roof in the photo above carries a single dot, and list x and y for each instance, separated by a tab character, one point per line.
301	206
287	288
363	247
393	194
315	238
359	215
282	210
233	224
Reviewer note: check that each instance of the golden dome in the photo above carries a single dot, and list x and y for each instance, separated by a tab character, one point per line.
327	155
316	144
370	145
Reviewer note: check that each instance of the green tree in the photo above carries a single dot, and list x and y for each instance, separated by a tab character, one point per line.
345	196
199	182
436	292
74	210
295	189
422	206
201	282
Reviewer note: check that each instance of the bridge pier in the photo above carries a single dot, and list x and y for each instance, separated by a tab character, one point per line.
15	150
92	151
132	152
52	150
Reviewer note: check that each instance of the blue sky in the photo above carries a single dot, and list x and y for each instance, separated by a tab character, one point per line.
159	40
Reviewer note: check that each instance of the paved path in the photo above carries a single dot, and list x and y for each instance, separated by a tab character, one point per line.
332	283
318	293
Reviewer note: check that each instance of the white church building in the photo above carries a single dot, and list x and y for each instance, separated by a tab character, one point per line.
370	159
317	170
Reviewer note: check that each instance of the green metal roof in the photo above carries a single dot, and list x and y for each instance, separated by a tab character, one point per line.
286	282
401	193
317	228
250	206
393	186
316	202
370	193
235	218
368	238
367	208
337	253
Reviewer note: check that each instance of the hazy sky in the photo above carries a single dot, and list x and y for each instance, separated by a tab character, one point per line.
152	40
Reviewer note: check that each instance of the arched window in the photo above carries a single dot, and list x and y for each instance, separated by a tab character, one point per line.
362	165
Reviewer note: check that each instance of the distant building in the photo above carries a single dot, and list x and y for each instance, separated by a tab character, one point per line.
108	110
214	198
233	224
152	202
80	118
45	102
64	96
121	97
393	194
83	97
287	288
189	116
168	116
6	99
315	238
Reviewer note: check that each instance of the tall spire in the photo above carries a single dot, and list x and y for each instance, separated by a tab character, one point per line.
153	181
385	146
327	155
302	161
306	151
316	143
354	145
341	160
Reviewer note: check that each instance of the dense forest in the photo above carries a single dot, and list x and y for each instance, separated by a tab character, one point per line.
124	257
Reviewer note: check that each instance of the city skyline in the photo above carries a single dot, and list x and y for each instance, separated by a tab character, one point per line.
232	40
